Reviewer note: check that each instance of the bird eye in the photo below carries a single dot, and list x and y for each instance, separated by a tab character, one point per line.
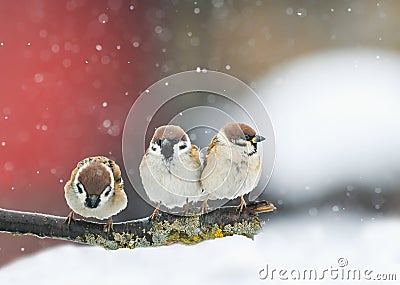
80	188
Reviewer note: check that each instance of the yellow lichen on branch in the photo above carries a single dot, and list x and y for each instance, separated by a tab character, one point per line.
166	229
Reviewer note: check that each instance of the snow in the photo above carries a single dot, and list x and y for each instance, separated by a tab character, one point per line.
294	244
103	18
336	125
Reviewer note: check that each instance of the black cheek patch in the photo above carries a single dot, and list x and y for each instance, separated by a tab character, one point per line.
79	186
255	148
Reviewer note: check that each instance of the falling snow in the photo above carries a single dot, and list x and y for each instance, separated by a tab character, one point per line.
106	123
38	77
103	18
55	48
302	12
67	63
8	166
158	29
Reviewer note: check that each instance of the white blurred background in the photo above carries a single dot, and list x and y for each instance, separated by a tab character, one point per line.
337	128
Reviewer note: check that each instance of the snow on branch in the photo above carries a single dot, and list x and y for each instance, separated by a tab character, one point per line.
166	229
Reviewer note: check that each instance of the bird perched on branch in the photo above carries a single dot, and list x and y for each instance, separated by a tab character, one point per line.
232	167
171	168
96	189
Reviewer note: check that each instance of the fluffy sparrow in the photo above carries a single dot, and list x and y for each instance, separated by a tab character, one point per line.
96	190
232	166
171	168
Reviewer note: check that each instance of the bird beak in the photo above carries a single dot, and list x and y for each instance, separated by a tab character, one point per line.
258	139
167	149
92	201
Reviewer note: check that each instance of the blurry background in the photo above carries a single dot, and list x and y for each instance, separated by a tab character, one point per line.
326	71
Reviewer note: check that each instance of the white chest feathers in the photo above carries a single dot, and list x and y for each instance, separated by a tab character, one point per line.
172	182
230	171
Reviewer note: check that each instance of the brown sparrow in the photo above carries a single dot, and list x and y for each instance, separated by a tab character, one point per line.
232	166
96	189
171	168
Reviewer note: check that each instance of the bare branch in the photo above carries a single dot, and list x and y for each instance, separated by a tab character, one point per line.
164	230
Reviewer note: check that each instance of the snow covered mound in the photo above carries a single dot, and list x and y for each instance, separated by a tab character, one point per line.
337	121
299	244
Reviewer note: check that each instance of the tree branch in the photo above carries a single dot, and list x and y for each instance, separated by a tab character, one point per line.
164	230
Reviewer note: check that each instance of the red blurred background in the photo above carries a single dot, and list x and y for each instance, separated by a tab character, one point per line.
70	70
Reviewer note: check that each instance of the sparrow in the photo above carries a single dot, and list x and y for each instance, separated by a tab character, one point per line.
232	166
96	189
170	169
